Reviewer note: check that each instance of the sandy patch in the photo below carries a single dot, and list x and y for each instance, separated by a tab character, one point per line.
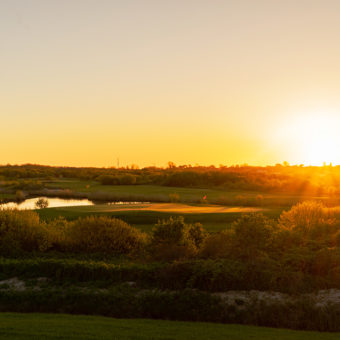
186	209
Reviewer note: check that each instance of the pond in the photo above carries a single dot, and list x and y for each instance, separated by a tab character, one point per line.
52	203
58	202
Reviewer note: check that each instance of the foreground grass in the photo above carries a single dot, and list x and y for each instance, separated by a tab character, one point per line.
51	326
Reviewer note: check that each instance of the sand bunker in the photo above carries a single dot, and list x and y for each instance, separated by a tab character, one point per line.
185	208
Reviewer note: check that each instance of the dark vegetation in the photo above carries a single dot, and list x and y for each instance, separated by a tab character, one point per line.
288	179
185	305
175	269
100	264
306	225
298	253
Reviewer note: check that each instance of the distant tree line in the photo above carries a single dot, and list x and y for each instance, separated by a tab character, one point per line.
315	180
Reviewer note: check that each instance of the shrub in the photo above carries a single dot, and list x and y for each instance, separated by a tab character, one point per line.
197	234
253	234
58	230
174	239
218	245
22	231
104	235
309	220
106	179
305	216
174	198
127	180
20	195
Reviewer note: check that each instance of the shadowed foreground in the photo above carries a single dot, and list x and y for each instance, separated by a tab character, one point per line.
50	326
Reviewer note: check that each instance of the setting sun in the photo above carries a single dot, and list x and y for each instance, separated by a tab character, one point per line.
312	137
320	139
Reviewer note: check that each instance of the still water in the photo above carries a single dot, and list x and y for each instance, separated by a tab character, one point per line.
58	202
52	203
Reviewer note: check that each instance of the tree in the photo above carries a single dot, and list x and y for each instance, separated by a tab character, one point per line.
174	239
41	203
253	234
20	195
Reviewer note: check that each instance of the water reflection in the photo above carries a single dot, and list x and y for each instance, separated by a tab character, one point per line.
52	203
59	202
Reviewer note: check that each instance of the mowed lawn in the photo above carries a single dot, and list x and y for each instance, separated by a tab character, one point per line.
145	216
60	326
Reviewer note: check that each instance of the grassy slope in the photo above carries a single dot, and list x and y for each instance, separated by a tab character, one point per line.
51	326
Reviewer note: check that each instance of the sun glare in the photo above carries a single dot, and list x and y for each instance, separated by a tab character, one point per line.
314	138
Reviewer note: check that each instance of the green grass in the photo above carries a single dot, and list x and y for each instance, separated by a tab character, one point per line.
7	196
148	190
60	326
145	219
186	194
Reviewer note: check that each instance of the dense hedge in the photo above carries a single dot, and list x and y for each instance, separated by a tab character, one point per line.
186	305
299	252
206	275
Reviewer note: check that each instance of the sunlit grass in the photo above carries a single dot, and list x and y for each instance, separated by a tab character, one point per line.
145	219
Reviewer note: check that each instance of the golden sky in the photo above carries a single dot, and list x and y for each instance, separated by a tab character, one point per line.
210	82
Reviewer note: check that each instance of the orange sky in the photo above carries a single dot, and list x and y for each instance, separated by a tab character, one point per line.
208	82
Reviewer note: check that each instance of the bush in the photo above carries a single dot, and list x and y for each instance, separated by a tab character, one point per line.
20	195
126	179
306	216
218	245
58	230
108	180
253	234
197	234
105	235
173	239
22	231
310	221
174	198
